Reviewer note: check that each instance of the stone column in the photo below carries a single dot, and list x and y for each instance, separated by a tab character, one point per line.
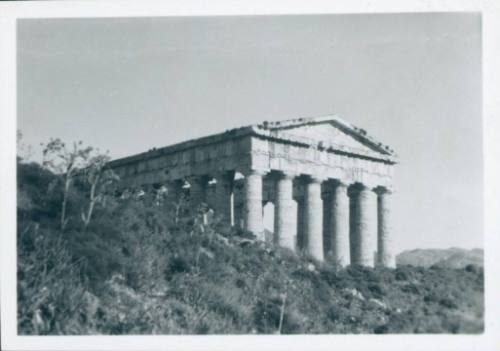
385	253
223	197
338	208
301	242
253	203
197	190
363	229
313	216
284	231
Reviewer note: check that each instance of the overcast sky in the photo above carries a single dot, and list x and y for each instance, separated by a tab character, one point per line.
412	81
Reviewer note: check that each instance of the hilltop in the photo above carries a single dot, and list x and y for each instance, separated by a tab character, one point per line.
446	258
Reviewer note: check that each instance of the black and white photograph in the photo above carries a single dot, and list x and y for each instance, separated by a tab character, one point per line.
257	175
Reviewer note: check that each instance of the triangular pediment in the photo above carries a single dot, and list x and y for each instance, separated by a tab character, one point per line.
330	133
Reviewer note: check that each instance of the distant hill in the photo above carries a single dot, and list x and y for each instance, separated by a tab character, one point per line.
446	258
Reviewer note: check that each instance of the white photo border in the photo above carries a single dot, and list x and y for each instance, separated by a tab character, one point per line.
11	11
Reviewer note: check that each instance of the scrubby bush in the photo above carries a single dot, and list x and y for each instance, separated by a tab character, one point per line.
50	291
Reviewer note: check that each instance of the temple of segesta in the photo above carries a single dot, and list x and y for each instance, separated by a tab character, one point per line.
329	182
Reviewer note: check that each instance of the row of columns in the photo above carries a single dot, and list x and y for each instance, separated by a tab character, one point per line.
351	221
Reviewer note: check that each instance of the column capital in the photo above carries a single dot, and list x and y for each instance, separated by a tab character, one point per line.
356	188
340	183
382	190
314	178
259	172
287	175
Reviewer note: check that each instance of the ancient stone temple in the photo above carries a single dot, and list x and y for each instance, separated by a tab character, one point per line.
330	184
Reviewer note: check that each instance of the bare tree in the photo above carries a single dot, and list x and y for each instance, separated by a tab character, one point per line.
24	151
65	161
99	178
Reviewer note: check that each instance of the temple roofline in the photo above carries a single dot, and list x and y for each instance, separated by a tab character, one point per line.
266	130
356	132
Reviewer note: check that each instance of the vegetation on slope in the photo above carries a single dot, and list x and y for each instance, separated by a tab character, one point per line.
144	266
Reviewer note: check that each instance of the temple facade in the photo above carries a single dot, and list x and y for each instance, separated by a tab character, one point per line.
330	184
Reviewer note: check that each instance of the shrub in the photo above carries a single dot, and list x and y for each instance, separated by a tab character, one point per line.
177	265
448	303
411	289
471	268
334	313
381	329
401	275
430	298
50	294
376	290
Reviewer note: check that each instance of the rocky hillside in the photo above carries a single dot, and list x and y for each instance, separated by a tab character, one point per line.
146	266
446	258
